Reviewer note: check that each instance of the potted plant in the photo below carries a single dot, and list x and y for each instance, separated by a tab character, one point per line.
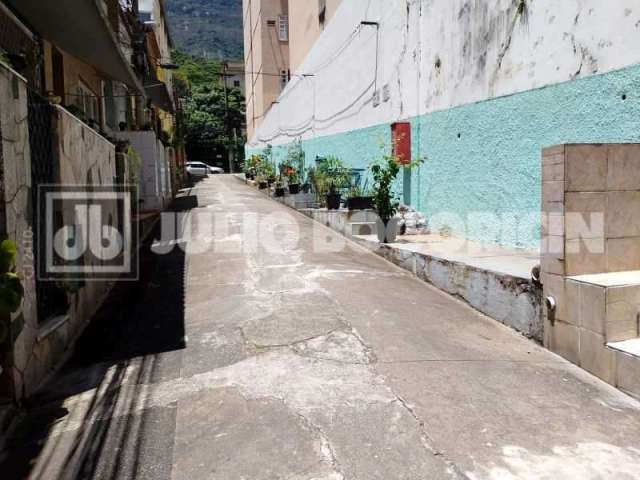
279	190
262	182
384	172
293	182
359	199
269	173
252	166
333	198
328	178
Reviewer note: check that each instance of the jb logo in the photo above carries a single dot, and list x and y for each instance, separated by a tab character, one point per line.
88	232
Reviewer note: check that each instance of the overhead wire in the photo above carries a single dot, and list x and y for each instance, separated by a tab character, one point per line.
311	123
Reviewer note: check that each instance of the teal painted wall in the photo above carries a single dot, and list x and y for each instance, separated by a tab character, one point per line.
485	157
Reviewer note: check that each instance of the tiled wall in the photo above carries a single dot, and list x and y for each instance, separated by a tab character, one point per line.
591	209
591	225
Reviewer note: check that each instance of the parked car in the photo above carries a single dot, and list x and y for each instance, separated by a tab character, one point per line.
215	170
197	169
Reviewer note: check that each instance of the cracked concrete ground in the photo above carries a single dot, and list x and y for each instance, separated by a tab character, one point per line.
294	363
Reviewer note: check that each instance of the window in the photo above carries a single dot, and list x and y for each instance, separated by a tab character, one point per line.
283	28
236	83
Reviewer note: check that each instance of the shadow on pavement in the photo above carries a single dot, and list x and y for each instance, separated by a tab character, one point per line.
92	420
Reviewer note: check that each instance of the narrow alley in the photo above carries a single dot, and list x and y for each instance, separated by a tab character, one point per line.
292	363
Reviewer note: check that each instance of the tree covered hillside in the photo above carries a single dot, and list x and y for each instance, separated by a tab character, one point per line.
207	28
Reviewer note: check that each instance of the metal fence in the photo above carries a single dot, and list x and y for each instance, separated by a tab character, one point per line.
52	299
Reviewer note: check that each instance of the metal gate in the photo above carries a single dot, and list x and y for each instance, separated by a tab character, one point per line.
52	299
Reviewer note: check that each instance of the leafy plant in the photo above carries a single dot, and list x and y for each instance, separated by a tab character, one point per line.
358	191
293	177
11	289
384	171
296	156
252	164
267	169
329	175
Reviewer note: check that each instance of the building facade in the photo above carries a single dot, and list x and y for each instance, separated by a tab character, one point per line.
278	35
233	75
485	86
76	80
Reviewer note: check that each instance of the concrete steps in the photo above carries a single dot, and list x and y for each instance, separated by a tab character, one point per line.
597	327
627	354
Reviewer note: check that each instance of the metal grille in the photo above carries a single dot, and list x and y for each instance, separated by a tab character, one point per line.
22	48
51	298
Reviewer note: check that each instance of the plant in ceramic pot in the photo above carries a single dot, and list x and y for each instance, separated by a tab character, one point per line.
269	172
293	180
251	166
279	188
329	177
333	197
296	156
384	172
261	181
359	199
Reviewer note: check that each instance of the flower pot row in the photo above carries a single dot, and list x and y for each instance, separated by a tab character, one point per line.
279	191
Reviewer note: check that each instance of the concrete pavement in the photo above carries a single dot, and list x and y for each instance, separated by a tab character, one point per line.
294	363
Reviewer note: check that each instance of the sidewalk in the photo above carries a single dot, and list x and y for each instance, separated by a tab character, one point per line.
309	365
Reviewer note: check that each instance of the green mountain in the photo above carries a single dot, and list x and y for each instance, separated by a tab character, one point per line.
207	28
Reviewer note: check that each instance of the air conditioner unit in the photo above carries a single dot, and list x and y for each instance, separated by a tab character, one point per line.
283	28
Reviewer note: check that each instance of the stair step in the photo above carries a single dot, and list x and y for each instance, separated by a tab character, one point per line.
630	347
627	366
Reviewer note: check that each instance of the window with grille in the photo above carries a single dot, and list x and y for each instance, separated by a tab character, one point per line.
283	28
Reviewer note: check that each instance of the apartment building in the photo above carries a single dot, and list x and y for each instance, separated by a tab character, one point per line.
278	35
85	100
233	75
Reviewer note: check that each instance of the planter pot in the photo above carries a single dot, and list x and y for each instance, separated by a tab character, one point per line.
360	203
279	192
306	188
294	188
333	201
263	185
387	232
271	181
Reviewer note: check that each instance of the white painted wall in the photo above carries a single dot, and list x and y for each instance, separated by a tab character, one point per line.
485	49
